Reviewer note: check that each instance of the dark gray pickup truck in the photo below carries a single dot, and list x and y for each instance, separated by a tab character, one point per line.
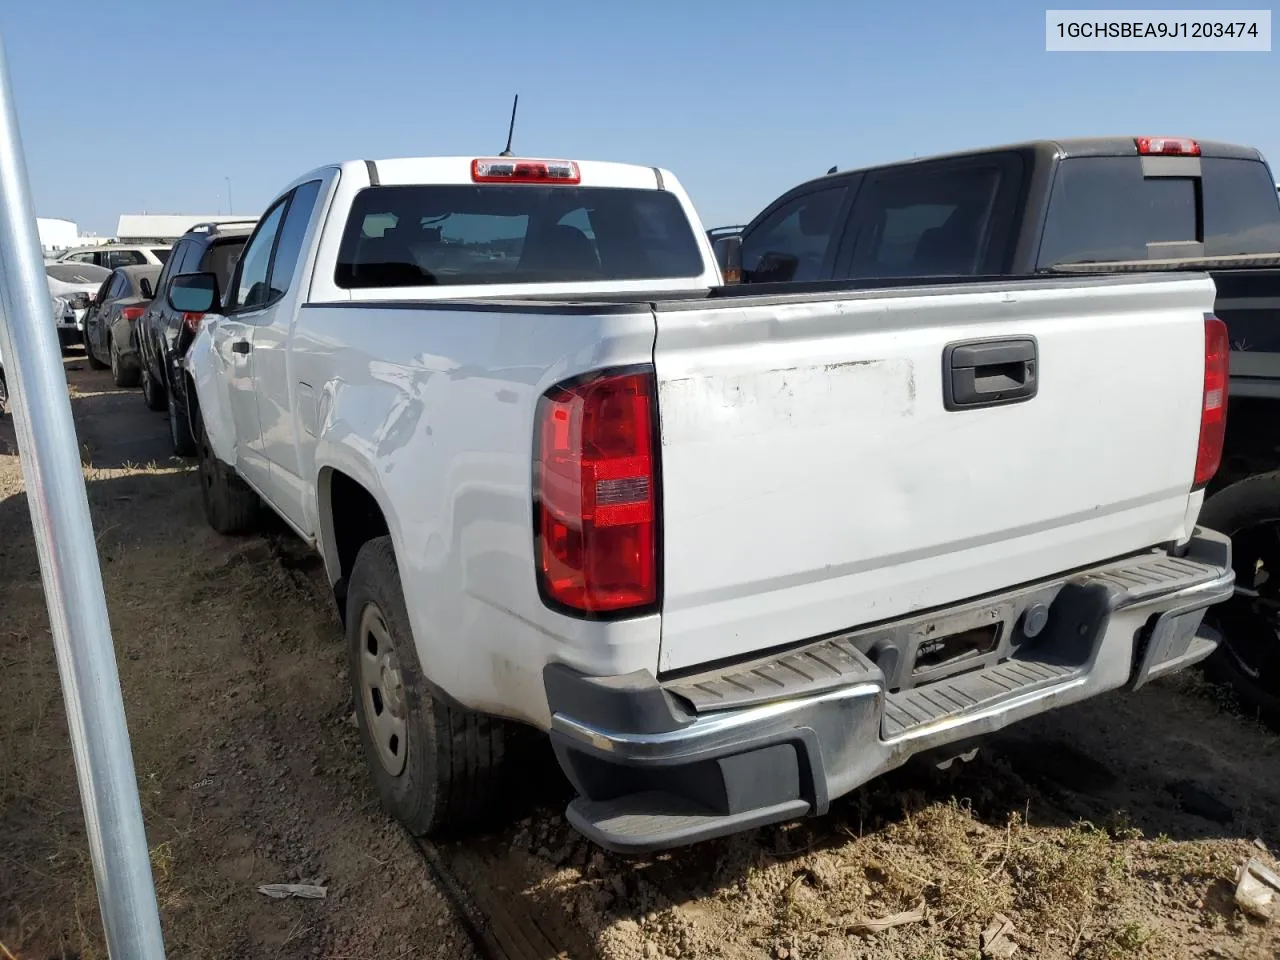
1104	205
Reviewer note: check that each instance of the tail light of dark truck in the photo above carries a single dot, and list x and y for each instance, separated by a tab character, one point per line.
1213	410
596	512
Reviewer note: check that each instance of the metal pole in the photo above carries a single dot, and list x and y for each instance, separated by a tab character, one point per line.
69	566
231	209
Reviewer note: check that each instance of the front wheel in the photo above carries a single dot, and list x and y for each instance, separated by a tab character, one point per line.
230	506
1248	659
438	767
152	391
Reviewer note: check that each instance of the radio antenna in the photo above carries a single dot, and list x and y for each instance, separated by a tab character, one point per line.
512	128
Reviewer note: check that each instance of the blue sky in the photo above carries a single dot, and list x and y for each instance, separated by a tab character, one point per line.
148	106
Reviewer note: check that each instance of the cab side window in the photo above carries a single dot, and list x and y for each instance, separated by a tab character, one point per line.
292	232
797	240
251	280
926	221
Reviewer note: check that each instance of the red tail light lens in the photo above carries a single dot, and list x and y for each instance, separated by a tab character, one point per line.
192	321
132	313
595	496
1213	412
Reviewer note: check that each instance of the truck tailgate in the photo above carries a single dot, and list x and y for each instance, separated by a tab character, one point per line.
814	479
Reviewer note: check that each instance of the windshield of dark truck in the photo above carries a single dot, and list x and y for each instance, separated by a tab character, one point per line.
409	236
1103	208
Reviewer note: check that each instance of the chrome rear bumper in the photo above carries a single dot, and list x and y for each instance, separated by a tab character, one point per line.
658	765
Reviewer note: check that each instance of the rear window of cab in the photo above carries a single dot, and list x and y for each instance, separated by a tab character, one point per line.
411	236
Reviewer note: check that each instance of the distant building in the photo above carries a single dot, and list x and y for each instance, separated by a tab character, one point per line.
163	228
56	234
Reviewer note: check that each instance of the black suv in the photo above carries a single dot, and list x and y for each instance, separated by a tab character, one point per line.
164	334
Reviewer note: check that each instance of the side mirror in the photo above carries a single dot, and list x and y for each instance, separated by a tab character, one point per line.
193	293
728	252
144	287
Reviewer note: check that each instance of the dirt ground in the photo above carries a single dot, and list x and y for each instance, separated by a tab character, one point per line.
1109	830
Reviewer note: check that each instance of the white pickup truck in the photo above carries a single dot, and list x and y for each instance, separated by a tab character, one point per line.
737	550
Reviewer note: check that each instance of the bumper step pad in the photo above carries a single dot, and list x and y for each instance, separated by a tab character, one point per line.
913	710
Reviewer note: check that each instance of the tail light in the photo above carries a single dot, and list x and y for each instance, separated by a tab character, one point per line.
595	494
192	322
132	313
1213	411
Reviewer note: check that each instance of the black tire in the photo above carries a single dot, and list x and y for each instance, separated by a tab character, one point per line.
123	374
230	505
455	772
1248	660
153	392
183	440
94	362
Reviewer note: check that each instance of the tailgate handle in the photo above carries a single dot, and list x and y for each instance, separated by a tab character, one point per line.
989	373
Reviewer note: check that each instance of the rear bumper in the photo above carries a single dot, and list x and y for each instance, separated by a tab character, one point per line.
658	765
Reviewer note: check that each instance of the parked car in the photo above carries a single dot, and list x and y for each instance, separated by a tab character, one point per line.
1107	205
109	326
736	550
112	255
164	334
72	288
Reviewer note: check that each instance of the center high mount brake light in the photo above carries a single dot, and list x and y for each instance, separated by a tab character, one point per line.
509	170
1167	146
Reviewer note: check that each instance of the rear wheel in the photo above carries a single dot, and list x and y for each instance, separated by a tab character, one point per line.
152	391
1248	658
184	442
230	505
94	362
438	767
123	373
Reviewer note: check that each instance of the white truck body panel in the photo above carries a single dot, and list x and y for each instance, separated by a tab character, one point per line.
812	478
853	568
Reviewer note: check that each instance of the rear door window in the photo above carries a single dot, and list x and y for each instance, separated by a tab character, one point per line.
220	259
797	240
122	258
930	220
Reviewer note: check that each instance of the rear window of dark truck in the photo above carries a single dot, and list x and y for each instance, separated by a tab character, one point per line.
1103	208
408	236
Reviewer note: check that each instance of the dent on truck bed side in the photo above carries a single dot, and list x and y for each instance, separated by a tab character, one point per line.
431	413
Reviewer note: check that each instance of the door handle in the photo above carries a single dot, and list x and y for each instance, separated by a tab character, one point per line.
989	373
240	346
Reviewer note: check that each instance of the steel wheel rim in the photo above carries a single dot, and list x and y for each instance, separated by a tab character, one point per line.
382	692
